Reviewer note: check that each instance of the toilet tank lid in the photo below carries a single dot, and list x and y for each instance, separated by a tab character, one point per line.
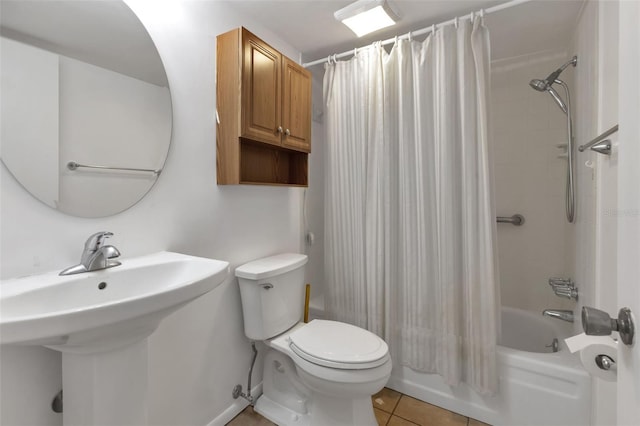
271	266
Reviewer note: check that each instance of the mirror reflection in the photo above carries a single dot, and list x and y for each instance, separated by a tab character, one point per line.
82	82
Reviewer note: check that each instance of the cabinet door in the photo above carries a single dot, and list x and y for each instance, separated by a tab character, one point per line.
296	106
261	91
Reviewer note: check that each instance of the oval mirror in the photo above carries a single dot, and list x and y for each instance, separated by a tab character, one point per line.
85	108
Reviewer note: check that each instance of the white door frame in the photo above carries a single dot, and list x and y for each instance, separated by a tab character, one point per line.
628	212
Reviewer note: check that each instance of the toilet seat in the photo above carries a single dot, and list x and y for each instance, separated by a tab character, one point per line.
338	345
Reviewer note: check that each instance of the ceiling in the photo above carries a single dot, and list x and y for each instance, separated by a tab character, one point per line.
309	26
103	33
107	33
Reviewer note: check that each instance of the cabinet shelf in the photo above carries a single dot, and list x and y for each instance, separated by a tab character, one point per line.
271	165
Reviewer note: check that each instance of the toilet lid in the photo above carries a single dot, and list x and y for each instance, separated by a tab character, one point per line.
338	345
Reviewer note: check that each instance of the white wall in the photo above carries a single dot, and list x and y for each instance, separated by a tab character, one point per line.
530	180
199	353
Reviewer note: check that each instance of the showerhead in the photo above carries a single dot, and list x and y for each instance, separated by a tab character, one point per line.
539	85
542	85
547	83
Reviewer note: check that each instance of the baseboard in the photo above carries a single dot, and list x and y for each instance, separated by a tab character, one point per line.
235	408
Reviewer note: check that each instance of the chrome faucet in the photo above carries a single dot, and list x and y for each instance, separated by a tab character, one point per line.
95	255
564	287
563	314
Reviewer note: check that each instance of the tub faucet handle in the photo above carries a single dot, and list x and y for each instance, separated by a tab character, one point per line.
555	282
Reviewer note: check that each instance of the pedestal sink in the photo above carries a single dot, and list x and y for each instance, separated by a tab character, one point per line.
100	321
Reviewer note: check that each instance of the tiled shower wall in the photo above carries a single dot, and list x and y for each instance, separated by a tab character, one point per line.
527	127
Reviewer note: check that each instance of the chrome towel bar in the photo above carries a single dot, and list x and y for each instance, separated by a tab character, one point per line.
516	219
599	144
72	165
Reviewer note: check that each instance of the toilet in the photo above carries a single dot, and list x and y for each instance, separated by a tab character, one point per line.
320	373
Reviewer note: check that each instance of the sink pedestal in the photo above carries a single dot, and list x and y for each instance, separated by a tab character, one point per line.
100	321
107	388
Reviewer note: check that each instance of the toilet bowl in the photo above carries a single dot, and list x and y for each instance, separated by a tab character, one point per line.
321	373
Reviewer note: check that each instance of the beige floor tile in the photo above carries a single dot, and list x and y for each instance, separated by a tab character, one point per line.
426	414
382	417
474	422
250	418
399	421
386	399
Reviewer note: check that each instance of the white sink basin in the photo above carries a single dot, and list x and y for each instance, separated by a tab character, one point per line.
102	310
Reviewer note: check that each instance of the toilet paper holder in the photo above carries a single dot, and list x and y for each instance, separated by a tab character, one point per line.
605	362
598	323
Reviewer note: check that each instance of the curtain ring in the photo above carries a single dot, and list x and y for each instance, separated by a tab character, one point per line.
455	22
482	13
409	36
335	58
433	28
472	15
355	51
329	59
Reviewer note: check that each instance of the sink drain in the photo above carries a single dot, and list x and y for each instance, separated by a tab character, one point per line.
102	285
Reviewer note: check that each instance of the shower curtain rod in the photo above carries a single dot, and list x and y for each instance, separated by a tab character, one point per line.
423	31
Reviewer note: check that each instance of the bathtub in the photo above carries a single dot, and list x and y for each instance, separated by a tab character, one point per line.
537	386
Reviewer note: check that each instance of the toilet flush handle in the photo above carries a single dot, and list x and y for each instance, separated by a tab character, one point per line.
266	286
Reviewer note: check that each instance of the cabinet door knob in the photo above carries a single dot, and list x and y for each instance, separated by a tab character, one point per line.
279	129
287	132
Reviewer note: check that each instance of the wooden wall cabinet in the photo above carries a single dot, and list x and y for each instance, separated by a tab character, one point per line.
263	102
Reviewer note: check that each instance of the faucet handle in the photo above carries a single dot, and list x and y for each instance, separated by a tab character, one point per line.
95	241
555	282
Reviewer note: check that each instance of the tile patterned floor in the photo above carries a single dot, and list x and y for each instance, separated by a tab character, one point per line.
391	409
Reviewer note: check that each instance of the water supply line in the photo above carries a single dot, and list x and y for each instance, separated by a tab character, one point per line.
570	194
237	389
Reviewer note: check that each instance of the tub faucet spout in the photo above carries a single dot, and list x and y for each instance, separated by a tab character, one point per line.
563	314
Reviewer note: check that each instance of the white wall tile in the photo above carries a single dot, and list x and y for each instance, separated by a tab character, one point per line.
530	180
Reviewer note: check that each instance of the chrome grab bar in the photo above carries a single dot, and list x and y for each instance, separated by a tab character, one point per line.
72	165
604	147
516	219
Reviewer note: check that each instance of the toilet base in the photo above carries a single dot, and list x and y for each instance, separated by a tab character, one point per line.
280	414
289	401
329	411
324	412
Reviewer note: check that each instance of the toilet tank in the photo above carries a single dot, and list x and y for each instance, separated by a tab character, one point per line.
272	292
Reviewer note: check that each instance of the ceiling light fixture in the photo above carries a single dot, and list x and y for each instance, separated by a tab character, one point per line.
366	16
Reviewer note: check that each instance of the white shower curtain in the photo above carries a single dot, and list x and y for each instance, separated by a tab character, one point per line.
409	217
